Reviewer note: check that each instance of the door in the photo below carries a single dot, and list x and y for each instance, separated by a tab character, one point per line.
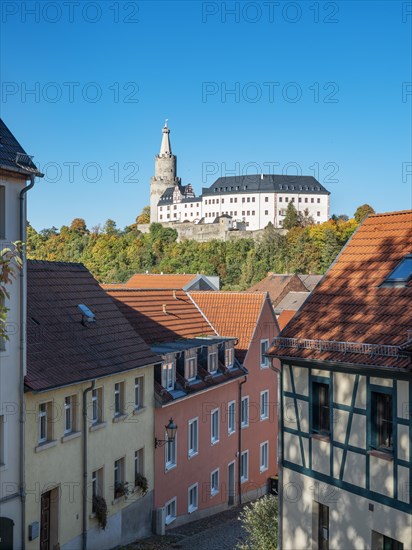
45	521
323	530
231	483
6	533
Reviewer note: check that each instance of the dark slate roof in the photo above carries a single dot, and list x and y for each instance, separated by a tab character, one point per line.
9	147
60	349
167	197
270	183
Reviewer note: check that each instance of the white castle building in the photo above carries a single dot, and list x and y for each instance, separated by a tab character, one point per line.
253	200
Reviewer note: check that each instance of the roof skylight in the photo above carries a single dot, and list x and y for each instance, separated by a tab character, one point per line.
401	274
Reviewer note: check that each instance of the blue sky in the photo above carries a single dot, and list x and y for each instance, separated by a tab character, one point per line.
317	87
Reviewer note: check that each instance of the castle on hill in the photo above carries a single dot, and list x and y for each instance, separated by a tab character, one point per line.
247	202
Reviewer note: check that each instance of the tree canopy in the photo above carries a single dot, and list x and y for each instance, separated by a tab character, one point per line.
114	255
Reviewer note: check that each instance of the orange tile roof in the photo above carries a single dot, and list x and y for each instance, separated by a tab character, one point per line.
232	314
154	280
161	315
349	305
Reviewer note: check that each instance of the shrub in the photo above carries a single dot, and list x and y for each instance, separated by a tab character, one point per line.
100	509
260	521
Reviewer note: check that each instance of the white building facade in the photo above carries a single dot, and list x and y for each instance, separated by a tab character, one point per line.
13	180
255	199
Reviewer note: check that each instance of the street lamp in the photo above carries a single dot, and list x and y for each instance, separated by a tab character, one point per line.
171	434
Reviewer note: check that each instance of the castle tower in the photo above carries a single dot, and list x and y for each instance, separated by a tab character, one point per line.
165	173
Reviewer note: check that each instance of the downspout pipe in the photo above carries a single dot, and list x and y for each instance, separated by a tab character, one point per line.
239	451
280	451
23	300
85	473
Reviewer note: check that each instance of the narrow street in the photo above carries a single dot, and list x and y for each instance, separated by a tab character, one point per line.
221	531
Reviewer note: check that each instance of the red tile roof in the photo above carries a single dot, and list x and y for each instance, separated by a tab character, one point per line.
233	314
350	305
161	315
154	280
60	349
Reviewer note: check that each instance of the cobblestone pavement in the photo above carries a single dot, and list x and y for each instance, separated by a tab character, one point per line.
219	532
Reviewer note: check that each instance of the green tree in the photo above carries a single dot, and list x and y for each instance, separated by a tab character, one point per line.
144	216
363	211
10	262
291	217
260	521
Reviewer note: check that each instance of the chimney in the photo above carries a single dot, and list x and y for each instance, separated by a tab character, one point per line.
165	309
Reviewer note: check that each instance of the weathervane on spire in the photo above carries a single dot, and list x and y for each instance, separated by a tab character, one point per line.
166	119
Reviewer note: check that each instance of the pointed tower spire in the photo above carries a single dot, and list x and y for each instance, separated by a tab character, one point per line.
165	148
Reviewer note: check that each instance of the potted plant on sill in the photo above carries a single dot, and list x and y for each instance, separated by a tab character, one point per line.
140	481
121	489
100	509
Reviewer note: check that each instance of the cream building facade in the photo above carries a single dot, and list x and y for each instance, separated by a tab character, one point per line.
89	415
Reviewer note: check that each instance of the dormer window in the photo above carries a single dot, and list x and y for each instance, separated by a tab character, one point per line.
401	274
191	364
168	375
229	357
212	361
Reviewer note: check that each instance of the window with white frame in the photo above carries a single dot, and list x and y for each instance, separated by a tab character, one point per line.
214	482
119	478
244	466
264	404
168	375
2	440
191	368
264	456
245	412
212	362
229	357
231	417
138	465
70	414
192	498
170	452
45	422
138	392
170	509
264	361
97	486
214	426
193	443
97	405
119	398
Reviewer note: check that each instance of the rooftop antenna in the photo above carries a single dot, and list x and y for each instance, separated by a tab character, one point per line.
166	121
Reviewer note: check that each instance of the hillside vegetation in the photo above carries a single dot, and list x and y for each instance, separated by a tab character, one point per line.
113	255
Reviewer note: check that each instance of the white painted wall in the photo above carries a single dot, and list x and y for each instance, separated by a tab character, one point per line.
9	368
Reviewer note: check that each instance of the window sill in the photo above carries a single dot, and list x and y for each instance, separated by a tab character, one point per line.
70	436
213	493
320	437
244	426
384	455
264	418
192	455
92	515
265	469
170	467
243	480
119	499
139	410
97	426
47	445
119	417
169	520
192	509
231	433
214	442
264	366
